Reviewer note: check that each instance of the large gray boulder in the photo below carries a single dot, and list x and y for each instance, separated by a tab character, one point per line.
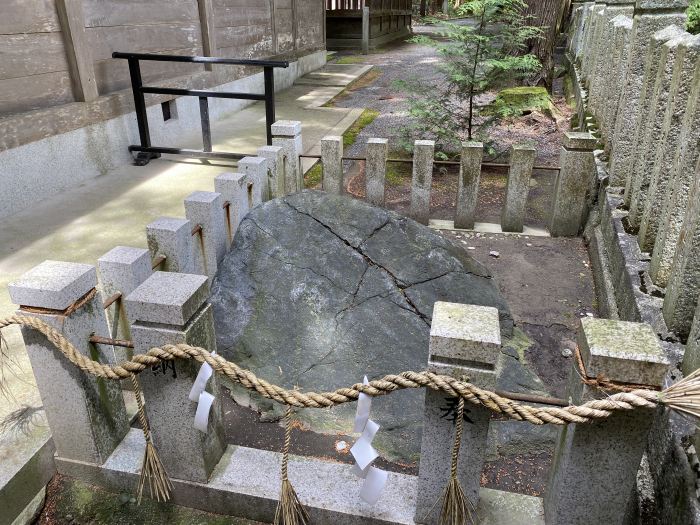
320	290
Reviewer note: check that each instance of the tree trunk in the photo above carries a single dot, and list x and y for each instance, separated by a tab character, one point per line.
546	14
423	7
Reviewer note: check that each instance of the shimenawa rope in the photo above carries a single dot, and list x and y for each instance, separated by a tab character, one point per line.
595	409
683	396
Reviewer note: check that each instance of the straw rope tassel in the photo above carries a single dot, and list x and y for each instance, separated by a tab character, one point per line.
456	508
152	470
289	511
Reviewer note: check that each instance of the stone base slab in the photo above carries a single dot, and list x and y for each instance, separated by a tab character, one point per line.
488	227
246	483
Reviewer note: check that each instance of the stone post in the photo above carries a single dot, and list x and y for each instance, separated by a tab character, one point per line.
275	168
235	189
332	162
375	170
365	30
256	169
673	177
423	154
122	270
603	54
684	283
86	414
171	308
651	135
691	358
522	159
206	209
468	189
595	464
171	238
617	74
588	55
649	17
465	340
287	135
574	182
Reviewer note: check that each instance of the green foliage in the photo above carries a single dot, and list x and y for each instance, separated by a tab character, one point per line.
479	56
693	24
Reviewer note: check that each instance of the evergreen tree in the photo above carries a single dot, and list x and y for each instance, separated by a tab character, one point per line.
477	56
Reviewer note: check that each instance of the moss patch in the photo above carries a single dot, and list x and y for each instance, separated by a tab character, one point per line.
314	176
350	59
517	101
71	501
367	117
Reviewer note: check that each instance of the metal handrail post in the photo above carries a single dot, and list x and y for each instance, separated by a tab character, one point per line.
139	102
269	75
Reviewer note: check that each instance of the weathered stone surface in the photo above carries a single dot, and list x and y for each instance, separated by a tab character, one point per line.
465	340
644	25
622	351
320	290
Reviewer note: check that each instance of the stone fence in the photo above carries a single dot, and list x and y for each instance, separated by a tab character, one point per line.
140	298
637	76
575	182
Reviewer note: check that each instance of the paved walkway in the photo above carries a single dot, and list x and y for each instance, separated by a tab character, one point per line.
83	224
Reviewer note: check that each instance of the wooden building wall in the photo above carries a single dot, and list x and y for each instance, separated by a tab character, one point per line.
33	63
54	52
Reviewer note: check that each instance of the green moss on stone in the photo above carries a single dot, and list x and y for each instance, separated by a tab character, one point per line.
77	502
517	101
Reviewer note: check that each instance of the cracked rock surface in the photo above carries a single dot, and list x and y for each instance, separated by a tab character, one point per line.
320	290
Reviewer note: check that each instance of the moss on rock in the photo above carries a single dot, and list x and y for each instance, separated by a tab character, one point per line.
74	502
517	101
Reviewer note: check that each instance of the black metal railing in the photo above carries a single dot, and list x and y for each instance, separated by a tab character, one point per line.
146	151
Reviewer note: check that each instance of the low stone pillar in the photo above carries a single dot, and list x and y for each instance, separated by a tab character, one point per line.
206	209
235	189
86	414
287	135
595	464
122	270
522	159
171	238
256	169
574	182
423	155
465	340
332	162
468	189
275	169
171	308
683	287
375	170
